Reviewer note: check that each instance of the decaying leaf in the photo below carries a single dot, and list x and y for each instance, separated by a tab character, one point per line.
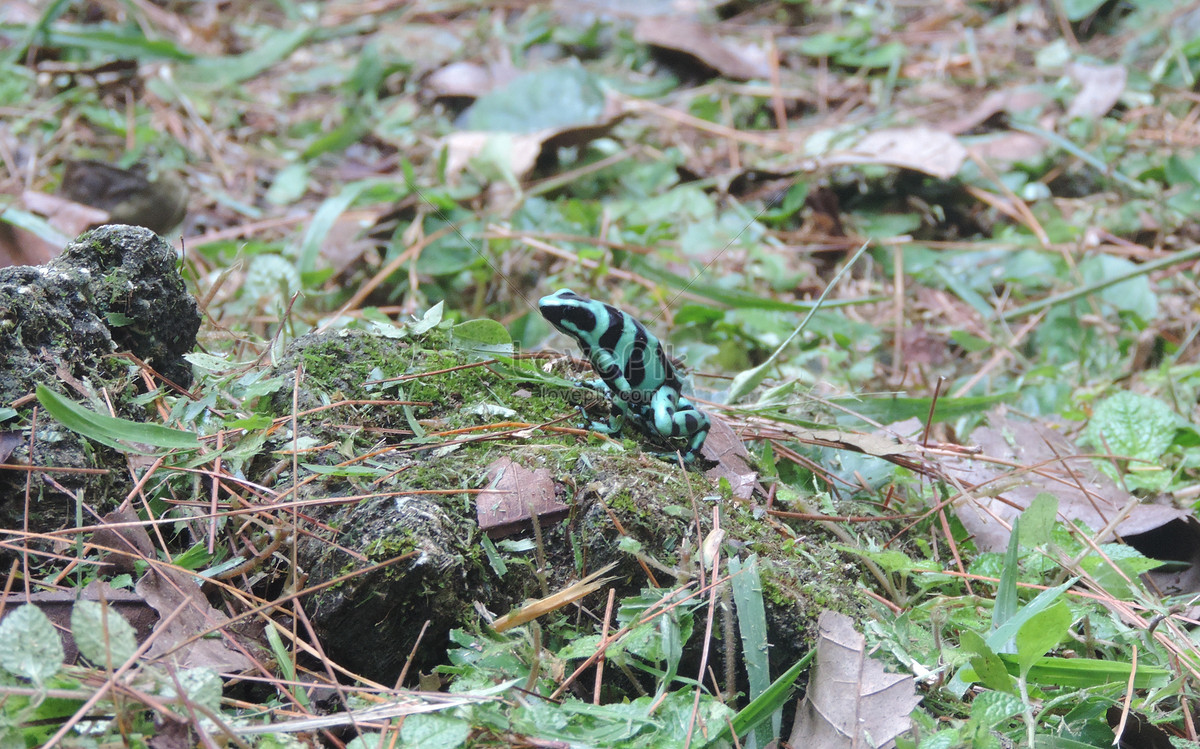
183	639
851	700
514	495
921	149
724	446
1013	100
997	493
58	605
737	61
123	545
1102	86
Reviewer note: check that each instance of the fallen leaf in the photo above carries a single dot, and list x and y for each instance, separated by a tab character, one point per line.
921	149
58	605
10	440
997	495
740	62
468	79
128	543
851	701
514	496
1007	101
725	447
182	639
1101	87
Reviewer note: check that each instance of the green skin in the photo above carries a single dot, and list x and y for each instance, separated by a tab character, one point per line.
634	370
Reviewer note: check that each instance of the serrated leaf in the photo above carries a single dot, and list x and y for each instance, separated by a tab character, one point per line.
107	430
102	636
29	645
1133	425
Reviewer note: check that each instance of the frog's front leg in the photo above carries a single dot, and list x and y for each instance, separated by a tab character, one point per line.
676	418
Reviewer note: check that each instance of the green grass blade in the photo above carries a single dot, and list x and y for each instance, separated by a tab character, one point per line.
1080	673
752	625
107	430
764	706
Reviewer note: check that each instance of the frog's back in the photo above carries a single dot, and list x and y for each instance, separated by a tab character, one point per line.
643	360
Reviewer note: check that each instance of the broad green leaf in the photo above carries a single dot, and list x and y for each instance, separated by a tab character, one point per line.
29	645
988	667
1134	294
482	332
989	708
102	635
107	430
432	729
1077	10
1038	520
1041	634
1132	425
556	97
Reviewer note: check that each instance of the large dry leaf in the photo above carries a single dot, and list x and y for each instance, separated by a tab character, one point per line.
997	494
514	496
740	62
1102	86
184	637
58	605
921	149
1008	101
851	700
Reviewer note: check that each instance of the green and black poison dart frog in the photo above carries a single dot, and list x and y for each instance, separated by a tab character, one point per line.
634	370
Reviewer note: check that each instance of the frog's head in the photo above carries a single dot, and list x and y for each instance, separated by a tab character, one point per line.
572	314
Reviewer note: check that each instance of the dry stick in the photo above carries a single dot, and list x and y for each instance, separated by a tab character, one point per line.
708	627
412	654
294	572
214	492
28	492
608	609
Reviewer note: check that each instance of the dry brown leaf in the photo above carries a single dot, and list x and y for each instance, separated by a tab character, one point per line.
468	79
1085	495
58	605
129	543
1009	148
1102	86
1008	101
921	149
851	700
514	495
725	447
10	440
740	62
168	589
